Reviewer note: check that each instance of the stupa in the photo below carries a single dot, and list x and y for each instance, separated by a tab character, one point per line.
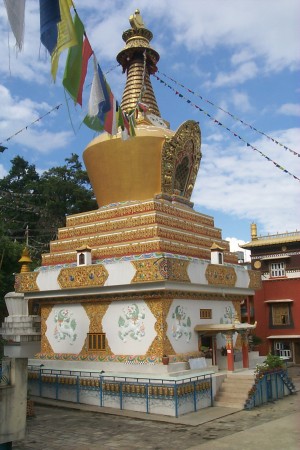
145	275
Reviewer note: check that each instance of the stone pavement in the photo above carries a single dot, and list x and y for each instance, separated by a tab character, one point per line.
272	426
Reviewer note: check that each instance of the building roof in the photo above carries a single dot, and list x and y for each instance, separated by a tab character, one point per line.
272	239
223	327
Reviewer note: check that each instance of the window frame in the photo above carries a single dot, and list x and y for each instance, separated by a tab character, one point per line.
205	313
277	272
96	342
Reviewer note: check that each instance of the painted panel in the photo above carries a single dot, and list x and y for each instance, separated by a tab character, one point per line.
47	280
67	327
129	327
242	277
196	272
184	315
119	273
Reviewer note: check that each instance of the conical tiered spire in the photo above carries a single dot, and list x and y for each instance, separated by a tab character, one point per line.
139	60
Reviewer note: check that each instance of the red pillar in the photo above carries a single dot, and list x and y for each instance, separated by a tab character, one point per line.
245	350
230	352
214	350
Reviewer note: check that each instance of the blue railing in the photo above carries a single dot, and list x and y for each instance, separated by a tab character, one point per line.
4	373
269	387
116	391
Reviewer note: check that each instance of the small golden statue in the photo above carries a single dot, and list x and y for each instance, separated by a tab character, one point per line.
136	20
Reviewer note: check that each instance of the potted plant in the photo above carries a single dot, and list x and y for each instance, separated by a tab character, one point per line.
165	360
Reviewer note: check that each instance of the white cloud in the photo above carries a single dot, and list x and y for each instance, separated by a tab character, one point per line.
290	109
240	100
244	72
237	181
16	113
235	247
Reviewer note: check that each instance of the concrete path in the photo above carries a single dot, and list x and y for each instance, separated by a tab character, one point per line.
274	426
283	433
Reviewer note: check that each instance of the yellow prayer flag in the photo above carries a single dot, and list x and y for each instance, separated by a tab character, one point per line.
66	34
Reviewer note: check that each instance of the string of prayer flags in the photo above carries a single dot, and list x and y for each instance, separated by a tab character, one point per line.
216	121
72	73
86	54
49	18
66	34
231	115
16	17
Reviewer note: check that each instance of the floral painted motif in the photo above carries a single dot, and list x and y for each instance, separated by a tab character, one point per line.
182	324
131	323
65	326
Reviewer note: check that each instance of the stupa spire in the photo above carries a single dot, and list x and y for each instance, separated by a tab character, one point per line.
139	60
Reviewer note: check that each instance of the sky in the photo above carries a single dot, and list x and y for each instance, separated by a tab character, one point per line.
243	56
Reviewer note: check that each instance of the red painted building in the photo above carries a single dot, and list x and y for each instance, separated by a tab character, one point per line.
277	303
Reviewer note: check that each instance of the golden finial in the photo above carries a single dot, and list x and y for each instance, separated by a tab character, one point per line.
253	231
136	20
25	260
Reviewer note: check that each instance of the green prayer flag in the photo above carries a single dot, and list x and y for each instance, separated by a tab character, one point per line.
93	123
72	74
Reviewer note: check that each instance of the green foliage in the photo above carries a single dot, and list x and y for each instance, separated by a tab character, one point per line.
41	203
272	362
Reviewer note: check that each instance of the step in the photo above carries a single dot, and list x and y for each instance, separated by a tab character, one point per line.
230	398
229	395
237	405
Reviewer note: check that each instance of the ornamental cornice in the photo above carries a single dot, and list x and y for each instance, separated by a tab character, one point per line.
142	295
120	211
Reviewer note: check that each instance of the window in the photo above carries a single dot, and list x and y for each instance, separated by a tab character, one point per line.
81	259
220	258
205	313
277	269
280	315
96	342
283	349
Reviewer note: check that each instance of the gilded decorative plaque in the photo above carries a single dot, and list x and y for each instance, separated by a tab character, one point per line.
255	279
84	276
26	282
220	275
181	158
160	269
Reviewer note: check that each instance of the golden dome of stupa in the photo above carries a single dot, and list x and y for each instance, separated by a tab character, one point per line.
157	162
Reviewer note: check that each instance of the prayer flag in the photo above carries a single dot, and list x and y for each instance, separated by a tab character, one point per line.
72	74
49	18
99	103
93	123
111	117
86	54
16	16
66	34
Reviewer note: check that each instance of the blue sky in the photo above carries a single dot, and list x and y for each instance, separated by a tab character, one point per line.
241	55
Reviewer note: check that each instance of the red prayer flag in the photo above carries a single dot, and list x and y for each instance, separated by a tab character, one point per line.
86	54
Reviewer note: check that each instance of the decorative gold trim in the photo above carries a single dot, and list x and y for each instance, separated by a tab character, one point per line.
26	282
185	144
83	276
160	269
161	344
255	279
220	275
45	344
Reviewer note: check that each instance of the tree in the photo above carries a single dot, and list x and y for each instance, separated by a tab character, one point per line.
33	206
